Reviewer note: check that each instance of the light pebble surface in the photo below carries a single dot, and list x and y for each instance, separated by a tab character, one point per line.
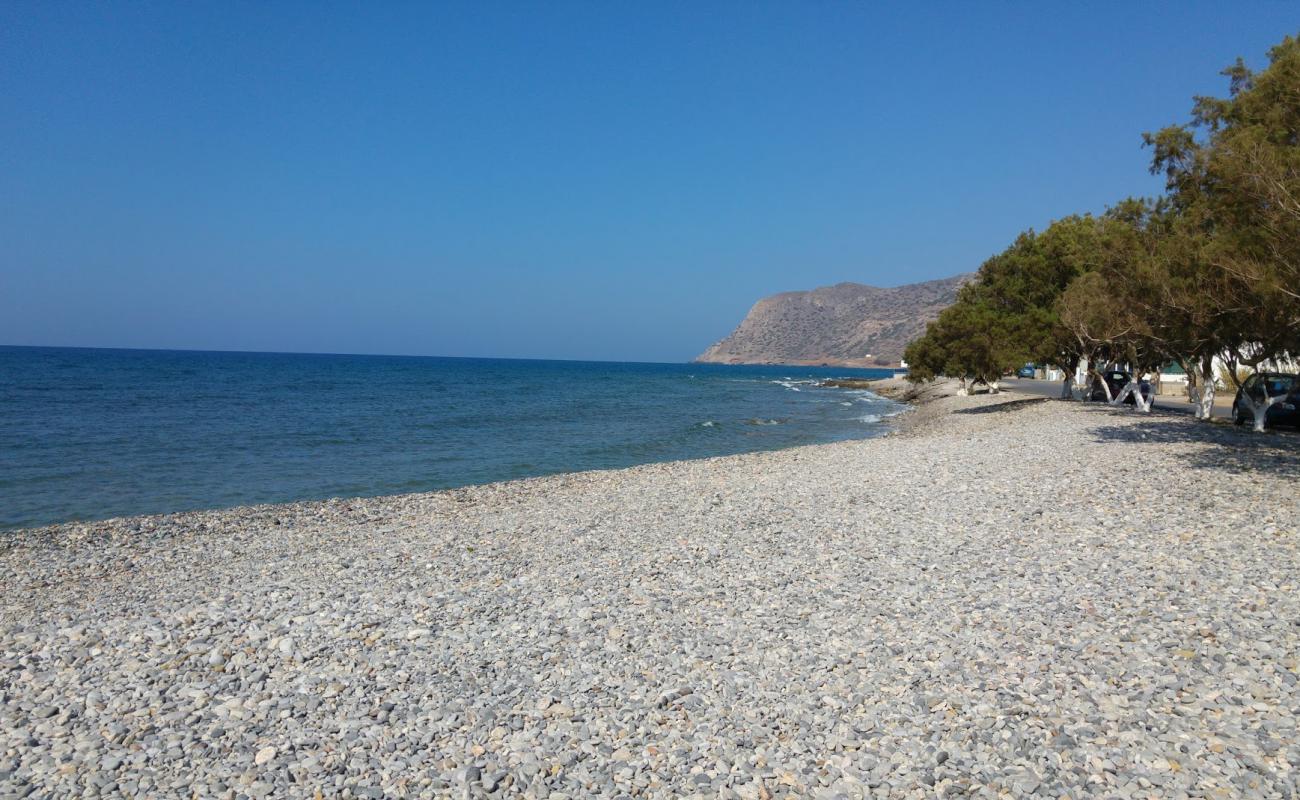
1046	600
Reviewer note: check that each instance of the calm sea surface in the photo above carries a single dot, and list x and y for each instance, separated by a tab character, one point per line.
90	434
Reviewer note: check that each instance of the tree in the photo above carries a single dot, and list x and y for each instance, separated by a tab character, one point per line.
1060	247
1014	299
1188	299
1236	187
1106	308
969	341
1023	284
1210	270
1088	314
1253	170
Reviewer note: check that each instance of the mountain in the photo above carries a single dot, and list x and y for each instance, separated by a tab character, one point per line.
848	325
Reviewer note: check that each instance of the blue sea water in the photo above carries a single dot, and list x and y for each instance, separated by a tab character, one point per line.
91	433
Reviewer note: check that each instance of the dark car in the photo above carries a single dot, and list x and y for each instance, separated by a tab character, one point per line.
1117	379
1027	371
1277	384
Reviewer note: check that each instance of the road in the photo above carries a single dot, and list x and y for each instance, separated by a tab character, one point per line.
1164	402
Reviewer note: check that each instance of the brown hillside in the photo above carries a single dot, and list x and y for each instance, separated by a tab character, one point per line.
848	324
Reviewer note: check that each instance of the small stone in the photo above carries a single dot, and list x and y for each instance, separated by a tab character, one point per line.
468	775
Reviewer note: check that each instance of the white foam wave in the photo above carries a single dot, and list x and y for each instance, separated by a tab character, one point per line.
870	418
793	385
866	396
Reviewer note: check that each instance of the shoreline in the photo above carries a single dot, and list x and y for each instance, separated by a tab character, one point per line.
297	511
148	432
891	423
821	620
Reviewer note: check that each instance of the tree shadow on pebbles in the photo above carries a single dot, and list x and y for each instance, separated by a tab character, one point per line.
999	408
1223	448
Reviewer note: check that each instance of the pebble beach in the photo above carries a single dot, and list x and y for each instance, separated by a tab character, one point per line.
1003	598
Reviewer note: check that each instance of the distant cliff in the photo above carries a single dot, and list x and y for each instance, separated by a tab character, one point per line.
848	324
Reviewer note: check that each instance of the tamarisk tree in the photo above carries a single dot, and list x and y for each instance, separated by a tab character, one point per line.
1210	271
1009	314
1233	174
969	341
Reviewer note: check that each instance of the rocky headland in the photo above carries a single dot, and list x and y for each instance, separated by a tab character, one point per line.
849	325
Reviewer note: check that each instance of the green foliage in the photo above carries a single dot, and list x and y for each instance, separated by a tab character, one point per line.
1236	190
1213	267
1009	314
970	339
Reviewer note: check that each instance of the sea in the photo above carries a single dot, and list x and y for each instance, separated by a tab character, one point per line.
89	434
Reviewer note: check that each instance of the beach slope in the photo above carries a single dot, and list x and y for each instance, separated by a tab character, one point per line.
1040	598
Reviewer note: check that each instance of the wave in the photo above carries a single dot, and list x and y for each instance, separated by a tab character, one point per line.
870	418
793	384
760	421
866	396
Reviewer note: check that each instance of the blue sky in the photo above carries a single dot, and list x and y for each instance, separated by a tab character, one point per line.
566	180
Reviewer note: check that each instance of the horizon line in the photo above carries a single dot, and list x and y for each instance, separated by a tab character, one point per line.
408	355
320	353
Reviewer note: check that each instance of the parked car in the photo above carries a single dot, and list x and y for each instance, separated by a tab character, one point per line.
1284	412
1027	371
1117	379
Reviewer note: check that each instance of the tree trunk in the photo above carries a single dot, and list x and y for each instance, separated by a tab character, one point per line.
1083	377
1105	387
1205	389
1205	400
1142	402
963	391
1261	416
1259	409
1066	394
1133	387
1082	386
993	386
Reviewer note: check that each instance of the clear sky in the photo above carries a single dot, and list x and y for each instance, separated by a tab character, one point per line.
566	180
